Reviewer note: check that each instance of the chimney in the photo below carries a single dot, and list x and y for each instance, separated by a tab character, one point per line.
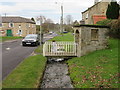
96	1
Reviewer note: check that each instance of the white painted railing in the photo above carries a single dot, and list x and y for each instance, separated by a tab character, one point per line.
59	48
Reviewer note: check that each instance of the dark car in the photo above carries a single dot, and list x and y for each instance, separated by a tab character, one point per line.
31	39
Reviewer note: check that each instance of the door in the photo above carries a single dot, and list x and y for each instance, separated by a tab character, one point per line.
9	32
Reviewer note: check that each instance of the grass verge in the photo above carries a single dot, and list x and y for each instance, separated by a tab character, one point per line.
65	37
27	74
6	38
96	70
39	50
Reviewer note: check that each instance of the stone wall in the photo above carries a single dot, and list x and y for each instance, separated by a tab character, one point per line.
27	28
91	38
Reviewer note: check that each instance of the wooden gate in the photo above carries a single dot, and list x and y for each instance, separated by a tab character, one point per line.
59	48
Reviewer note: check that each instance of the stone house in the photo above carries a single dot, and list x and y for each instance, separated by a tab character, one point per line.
17	26
90	38
95	13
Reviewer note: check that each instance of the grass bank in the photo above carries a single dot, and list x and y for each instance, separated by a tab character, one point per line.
27	74
65	37
39	50
98	69
6	38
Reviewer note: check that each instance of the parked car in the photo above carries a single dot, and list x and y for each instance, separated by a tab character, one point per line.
31	39
65	31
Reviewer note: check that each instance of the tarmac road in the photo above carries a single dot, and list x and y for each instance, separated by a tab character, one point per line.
13	53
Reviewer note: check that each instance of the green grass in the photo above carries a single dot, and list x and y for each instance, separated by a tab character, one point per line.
39	50
65	37
27	74
6	38
97	69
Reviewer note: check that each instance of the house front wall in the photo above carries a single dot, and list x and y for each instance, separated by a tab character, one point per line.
25	28
98	9
87	44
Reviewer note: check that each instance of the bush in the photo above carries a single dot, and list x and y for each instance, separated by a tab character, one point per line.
104	22
114	25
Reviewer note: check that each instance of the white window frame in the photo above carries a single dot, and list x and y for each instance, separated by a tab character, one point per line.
86	16
19	32
10	24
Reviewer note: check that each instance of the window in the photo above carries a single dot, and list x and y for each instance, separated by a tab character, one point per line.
94	34
19	32
19	26
11	24
29	25
87	16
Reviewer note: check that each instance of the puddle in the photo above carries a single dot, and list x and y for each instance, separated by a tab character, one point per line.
55	75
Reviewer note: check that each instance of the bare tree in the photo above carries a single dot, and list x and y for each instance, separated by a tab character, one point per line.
41	19
69	20
48	21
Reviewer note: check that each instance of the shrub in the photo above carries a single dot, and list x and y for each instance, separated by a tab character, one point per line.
114	25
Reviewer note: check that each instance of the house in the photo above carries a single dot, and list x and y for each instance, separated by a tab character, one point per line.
95	13
17	26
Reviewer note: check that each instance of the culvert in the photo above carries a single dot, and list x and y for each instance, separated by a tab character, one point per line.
56	74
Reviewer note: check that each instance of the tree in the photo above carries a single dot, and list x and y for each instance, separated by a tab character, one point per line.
113	10
41	19
69	20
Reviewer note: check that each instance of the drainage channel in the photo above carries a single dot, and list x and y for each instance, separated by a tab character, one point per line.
56	75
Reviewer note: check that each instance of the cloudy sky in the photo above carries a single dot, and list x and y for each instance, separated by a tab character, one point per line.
48	8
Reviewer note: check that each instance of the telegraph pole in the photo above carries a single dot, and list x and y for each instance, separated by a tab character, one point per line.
41	34
61	19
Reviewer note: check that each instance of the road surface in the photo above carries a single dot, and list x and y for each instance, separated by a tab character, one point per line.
13	53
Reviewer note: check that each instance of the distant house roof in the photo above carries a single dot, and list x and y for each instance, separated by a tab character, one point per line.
16	20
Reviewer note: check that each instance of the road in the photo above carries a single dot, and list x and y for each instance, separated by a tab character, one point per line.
13	53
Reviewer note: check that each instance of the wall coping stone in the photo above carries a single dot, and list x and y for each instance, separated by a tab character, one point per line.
96	26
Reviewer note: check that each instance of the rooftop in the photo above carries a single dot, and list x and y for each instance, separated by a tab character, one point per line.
16	20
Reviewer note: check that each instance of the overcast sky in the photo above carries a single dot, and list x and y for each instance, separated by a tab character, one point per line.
48	8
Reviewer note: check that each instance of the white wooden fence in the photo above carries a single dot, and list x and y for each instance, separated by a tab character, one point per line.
59	48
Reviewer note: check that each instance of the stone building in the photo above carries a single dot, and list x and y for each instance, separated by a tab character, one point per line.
17	26
90	38
95	13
